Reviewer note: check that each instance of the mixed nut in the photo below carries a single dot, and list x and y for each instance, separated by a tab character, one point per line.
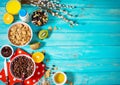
19	34
39	17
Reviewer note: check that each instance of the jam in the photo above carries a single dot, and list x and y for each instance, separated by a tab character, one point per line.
6	51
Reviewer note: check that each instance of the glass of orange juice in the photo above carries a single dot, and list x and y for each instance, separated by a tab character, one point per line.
13	7
59	78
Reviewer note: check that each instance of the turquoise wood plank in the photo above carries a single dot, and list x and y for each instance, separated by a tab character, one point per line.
86	26
83	14
76	39
102	78
92	79
87	3
86	23
80	52
86	13
90	65
93	3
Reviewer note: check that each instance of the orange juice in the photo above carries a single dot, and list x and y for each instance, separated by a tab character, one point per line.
13	7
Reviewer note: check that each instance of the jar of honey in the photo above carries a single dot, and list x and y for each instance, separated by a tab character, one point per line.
59	78
13	7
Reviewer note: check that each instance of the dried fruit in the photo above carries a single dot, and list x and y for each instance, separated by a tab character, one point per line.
47	73
43	34
35	46
50	28
55	28
71	83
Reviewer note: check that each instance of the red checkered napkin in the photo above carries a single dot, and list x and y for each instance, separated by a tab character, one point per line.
39	72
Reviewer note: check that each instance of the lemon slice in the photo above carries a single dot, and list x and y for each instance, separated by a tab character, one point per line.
38	57
8	18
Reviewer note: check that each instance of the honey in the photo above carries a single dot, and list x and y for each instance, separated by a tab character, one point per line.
59	78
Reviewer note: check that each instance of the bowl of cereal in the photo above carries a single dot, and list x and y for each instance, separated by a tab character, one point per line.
20	34
22	64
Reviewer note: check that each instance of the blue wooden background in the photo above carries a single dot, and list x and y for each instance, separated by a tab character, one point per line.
88	53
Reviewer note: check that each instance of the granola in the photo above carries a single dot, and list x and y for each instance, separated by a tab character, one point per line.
19	34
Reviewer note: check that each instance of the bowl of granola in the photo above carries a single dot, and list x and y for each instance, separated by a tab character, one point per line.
20	34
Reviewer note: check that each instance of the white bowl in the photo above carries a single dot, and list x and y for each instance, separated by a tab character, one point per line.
11	49
64	79
27	57
24	24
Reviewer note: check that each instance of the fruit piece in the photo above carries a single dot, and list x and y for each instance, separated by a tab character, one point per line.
38	57
35	46
8	18
43	34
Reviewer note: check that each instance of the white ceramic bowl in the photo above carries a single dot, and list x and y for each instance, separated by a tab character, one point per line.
27	57
64	79
11	49
30	31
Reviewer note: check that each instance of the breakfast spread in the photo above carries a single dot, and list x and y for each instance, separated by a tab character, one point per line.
22	64
19	34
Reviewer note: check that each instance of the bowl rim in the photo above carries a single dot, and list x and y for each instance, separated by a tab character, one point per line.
27	57
24	24
11	49
63	81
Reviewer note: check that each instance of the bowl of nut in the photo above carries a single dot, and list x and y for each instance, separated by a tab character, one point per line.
22	64
39	17
20	34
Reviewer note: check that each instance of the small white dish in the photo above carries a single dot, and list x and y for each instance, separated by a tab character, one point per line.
65	78
11	53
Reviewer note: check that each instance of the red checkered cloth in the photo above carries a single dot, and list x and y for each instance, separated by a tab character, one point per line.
39	72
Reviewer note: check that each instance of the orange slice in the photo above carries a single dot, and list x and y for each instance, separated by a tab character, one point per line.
8	18
38	57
